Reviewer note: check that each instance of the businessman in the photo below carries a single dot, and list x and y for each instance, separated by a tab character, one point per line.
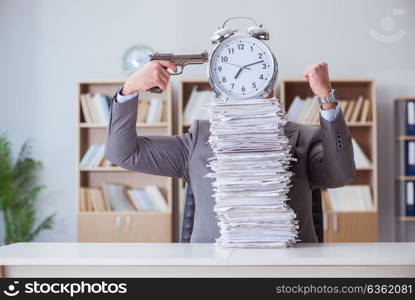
324	154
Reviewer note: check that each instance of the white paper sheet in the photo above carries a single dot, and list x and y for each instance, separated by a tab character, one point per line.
250	168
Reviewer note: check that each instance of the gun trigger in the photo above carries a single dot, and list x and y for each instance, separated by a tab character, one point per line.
178	72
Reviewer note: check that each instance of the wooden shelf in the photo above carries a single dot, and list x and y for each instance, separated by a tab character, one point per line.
123	213
405	178
98	125
406	138
103	169
354	124
120	226
365	169
406	218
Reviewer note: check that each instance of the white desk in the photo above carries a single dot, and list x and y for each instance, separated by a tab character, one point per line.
205	260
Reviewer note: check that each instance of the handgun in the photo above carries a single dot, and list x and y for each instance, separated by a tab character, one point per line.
180	60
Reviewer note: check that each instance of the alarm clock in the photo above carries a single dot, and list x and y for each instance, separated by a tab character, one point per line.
242	66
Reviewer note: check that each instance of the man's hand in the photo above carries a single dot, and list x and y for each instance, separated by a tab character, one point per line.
153	74
318	78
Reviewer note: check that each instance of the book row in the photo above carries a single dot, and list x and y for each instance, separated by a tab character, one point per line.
405	117
115	197
348	198
407	190
307	111
96	109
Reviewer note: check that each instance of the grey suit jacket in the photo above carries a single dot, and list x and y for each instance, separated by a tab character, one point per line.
324	160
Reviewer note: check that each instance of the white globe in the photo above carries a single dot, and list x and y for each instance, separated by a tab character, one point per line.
135	58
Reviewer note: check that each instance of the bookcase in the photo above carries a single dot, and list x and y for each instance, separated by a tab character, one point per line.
120	226
348	226
405	167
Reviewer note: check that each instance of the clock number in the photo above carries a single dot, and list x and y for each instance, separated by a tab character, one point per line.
223	79
220	69
243	89
253	85
224	58
261	77
252	48
231	50
232	85
264	66
260	55
241	46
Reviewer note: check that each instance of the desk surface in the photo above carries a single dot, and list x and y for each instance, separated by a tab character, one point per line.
142	254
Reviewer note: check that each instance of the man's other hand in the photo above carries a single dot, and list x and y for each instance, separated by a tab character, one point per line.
153	74
318	78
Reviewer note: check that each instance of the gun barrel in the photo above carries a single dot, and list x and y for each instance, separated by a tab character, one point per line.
182	58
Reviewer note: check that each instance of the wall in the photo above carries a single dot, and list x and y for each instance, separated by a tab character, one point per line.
47	46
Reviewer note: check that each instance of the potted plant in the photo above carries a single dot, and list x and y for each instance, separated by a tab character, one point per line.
18	193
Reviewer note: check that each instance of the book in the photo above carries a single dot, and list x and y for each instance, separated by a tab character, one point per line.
410	117
360	158
83	205
364	117
349	111
410	158
98	200
410	198
190	107
145	198
94	157
97	104
115	195
85	109
164	112
302	117
142	110
325	201
140	199
196	105
88	157
156	197
315	114
95	107
92	108
367	196
295	109
89	199
357	110
343	105
155	104
98	157
160	111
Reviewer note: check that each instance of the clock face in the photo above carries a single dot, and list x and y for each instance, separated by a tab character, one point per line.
242	67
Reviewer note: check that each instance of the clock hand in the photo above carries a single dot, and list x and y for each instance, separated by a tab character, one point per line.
253	63
239	72
244	67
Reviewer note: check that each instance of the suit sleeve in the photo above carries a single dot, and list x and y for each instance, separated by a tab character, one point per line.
152	154
330	158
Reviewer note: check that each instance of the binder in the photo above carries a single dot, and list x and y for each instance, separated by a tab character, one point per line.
410	117
410	198
410	158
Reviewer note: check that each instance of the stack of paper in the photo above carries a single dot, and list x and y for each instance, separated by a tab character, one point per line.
250	167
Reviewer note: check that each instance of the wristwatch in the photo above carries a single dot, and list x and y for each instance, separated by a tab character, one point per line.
332	97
